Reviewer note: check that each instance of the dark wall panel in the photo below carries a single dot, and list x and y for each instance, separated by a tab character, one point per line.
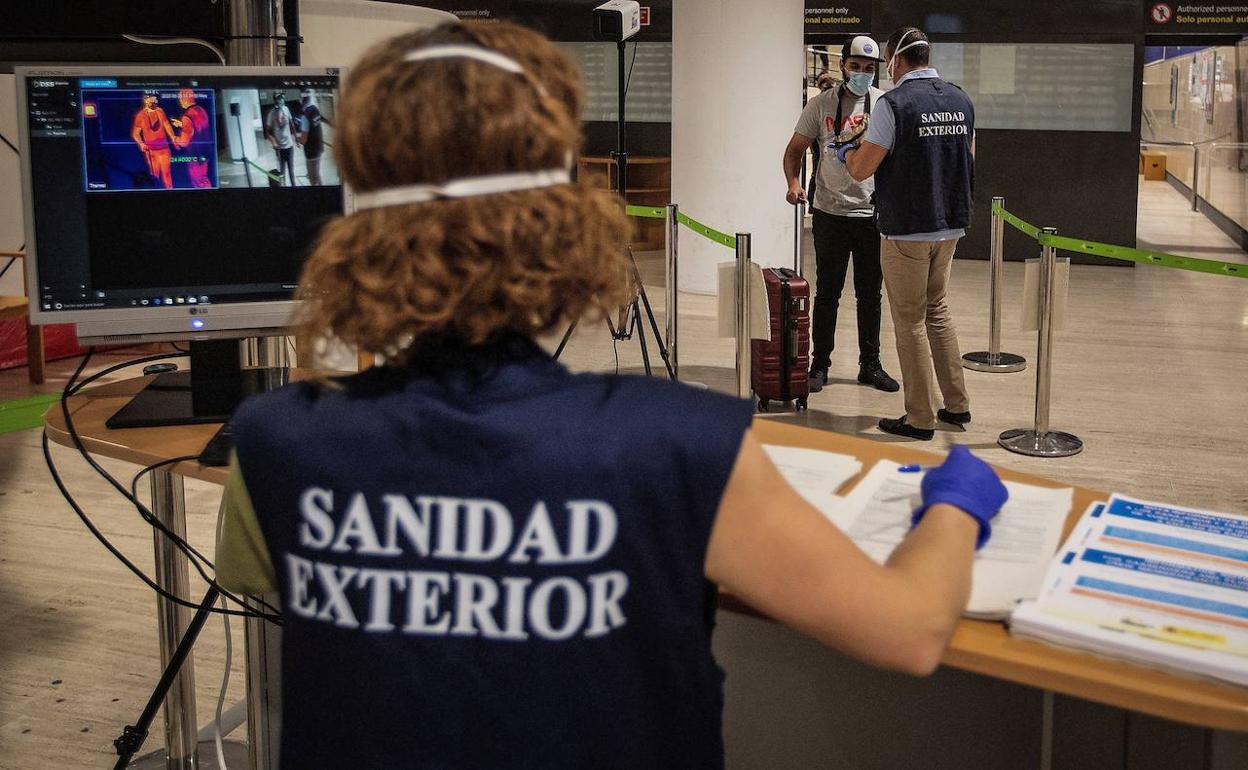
643	138
1010	20
1082	183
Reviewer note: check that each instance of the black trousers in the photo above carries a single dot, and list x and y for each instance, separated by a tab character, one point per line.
286	162
836	239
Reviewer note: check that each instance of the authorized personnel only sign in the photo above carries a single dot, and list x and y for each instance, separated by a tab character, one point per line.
1172	17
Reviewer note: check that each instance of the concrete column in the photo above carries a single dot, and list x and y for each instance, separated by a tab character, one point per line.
736	94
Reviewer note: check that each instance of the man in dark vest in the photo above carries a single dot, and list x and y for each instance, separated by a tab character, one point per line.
920	146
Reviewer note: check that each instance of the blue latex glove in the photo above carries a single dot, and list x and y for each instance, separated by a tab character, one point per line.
844	148
967	482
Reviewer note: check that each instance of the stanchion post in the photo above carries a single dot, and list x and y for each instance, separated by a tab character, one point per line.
992	359
672	254
1040	441
743	314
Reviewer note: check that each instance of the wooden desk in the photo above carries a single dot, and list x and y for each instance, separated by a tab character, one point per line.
979	646
987	648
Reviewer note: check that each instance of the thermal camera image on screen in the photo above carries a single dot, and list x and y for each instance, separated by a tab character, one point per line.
277	138
149	139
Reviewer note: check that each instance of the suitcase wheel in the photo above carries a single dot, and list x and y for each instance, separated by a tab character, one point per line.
801	404
762	404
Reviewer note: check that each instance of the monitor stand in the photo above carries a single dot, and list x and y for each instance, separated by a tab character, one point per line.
208	393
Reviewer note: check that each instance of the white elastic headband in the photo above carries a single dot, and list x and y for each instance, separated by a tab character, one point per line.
905	47
466	52
467	187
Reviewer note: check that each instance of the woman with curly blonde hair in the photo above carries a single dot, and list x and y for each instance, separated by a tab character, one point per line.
484	560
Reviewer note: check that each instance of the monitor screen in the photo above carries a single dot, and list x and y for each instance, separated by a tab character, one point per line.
154	191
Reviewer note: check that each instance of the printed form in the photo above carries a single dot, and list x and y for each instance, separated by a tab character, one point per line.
1153	583
817	475
1010	567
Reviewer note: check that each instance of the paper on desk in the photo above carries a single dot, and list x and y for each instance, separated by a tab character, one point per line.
816	475
1010	568
760	316
1154	583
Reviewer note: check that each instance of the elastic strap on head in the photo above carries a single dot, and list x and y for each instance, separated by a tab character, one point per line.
467	187
493	58
901	47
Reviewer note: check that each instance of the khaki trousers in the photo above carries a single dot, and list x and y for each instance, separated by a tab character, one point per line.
916	274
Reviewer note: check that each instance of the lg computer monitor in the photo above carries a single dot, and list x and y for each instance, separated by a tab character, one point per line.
174	202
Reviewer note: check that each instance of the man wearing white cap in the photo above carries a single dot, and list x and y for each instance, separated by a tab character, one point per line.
843	214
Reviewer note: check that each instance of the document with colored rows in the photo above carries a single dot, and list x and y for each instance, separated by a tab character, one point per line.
1153	583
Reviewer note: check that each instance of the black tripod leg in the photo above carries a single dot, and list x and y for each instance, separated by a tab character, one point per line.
563	343
132	737
641	338
658	336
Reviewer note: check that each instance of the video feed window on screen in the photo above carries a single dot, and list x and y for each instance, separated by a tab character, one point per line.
146	139
277	138
151	190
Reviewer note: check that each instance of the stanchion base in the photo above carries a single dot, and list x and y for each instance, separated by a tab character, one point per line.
983	361
236	755
1024	441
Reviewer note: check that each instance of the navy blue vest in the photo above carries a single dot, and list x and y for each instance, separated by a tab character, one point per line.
925	184
499	565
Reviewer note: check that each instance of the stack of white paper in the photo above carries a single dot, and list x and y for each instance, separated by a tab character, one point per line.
1153	583
816	475
1009	569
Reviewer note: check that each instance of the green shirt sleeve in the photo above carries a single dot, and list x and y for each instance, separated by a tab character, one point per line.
243	561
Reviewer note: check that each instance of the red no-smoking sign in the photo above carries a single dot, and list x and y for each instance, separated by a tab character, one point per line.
1161	13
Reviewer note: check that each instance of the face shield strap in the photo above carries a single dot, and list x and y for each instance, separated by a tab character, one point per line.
893	59
468	187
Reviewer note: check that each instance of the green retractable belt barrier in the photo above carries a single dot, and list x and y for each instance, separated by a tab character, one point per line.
1143	257
646	212
659	212
1031	231
1124	253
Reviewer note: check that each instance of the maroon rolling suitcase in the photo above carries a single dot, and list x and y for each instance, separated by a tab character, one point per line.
779	368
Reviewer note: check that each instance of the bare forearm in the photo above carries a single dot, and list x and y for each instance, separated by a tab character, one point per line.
936	561
792	165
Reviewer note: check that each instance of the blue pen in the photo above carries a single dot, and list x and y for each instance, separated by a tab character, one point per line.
914	468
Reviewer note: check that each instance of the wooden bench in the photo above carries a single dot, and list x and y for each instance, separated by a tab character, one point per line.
16	306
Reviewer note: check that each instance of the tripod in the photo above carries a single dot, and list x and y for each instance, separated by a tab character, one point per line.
132	738
630	321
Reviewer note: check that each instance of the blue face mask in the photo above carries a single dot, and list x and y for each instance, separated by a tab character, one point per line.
860	82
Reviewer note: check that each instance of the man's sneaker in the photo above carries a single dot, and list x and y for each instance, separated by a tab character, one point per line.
955	418
900	427
818	378
875	376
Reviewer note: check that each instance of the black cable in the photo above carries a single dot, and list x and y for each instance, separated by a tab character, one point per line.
629	78
86	520
192	554
11	146
9	264
72	387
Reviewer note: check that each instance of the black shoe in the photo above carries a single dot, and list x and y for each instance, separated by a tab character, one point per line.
900	427
818	378
954	418
875	376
